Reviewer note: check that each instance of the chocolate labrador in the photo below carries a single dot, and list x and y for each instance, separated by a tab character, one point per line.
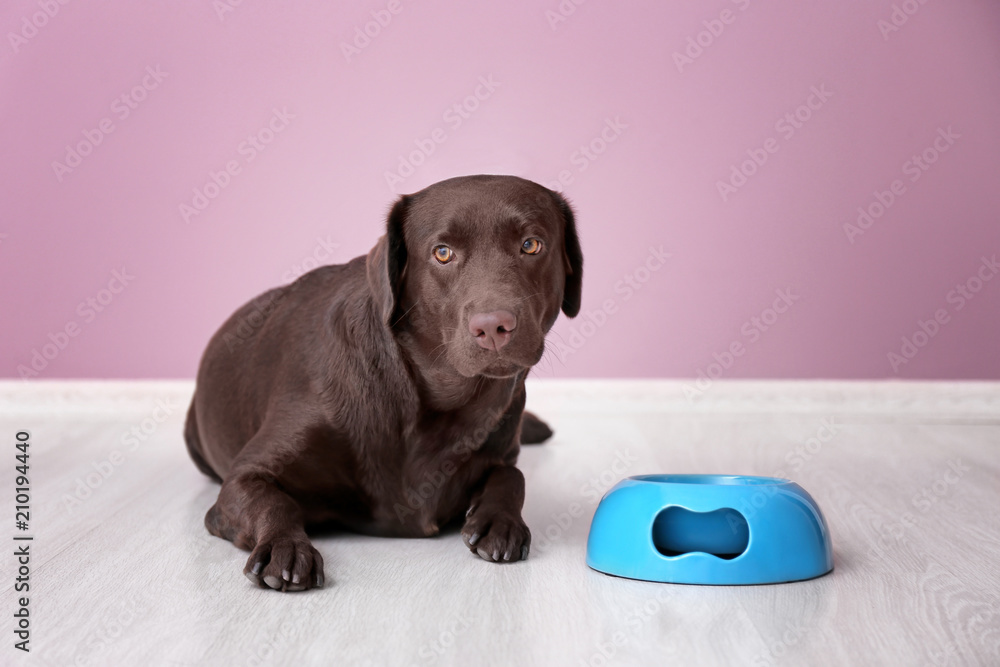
386	395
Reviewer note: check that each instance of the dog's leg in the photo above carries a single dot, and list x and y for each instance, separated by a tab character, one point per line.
533	429
255	514
493	525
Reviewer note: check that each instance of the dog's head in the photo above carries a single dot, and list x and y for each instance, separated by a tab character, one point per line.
474	270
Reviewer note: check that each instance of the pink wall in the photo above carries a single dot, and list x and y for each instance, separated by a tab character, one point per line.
163	94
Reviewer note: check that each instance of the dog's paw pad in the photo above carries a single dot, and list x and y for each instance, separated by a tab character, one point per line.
496	536
285	564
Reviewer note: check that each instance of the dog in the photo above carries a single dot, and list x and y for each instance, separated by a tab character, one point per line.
386	395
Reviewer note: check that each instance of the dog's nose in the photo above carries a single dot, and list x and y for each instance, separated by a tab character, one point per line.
492	330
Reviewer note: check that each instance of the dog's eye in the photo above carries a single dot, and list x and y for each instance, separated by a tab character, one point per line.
532	246
443	254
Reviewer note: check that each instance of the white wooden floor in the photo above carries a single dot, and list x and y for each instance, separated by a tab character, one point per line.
908	475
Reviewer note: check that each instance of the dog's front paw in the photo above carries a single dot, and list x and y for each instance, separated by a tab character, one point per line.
285	564
496	535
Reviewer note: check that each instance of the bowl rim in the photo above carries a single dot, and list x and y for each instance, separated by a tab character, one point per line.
693	480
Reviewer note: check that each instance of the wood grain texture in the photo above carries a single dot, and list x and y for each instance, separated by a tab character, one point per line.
908	475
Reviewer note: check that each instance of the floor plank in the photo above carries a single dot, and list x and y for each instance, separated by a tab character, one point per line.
123	572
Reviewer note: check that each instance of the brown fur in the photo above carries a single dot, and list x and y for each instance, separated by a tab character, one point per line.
358	396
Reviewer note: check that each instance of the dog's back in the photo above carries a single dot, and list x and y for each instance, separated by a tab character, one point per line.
248	360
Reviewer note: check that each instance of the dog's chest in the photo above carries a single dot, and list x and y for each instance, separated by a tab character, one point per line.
445	464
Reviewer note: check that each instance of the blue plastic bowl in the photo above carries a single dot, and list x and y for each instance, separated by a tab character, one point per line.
709	529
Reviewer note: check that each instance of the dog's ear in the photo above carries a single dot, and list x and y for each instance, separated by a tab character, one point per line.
386	261
572	257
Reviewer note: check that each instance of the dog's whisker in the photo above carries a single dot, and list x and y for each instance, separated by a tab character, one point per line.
441	353
530	296
547	358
